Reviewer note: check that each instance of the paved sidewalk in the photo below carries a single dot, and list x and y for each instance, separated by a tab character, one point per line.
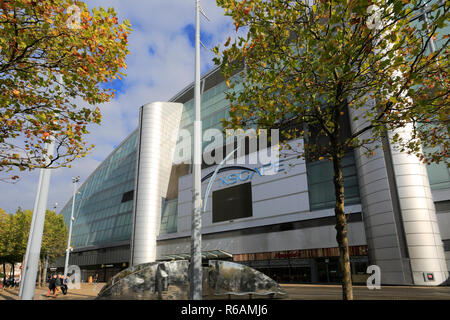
89	291
334	292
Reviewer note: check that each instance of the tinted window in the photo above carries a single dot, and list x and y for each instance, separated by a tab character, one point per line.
232	203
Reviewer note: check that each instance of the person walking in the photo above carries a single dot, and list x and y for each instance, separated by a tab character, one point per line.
58	283
63	284
52	286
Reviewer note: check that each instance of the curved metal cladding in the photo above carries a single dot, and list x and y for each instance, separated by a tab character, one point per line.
400	221
149	281
158	130
425	246
169	281
385	240
230	278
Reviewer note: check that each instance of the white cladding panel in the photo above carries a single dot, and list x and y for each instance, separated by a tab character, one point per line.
422	236
277	198
317	237
399	214
282	194
283	197
159	124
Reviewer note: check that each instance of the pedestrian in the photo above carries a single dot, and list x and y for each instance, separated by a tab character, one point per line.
52	286
96	278
63	284
58	283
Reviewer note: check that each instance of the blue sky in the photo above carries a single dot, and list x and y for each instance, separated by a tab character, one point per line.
161	63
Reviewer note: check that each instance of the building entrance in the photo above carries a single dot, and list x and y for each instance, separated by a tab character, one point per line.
288	274
328	270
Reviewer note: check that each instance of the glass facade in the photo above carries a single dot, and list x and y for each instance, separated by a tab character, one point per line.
321	187
103	208
169	217
215	107
439	176
104	205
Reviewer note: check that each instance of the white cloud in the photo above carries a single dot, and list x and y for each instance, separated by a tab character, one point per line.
152	75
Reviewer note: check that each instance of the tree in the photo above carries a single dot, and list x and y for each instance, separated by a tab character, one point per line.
54	239
14	232
14	236
4	229
308	68
51	53
18	237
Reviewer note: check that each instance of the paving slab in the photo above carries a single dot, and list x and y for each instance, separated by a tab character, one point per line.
89	291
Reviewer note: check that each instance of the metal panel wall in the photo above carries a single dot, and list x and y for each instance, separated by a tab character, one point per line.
159	124
276	197
386	243
399	216
420	225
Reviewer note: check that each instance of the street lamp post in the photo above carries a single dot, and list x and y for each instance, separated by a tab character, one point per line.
195	292
66	263
27	252
30	268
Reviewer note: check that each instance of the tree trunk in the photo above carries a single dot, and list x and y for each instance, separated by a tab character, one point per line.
341	228
39	273
42	272
44	277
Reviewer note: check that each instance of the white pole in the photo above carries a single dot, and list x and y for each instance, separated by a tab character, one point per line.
195	292
66	263
33	221
36	230
425	12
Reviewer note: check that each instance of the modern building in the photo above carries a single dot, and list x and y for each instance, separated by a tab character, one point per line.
277	217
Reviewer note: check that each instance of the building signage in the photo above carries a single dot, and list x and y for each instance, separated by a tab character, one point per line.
284	255
248	174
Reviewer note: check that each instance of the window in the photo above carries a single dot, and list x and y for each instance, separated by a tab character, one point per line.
128	196
321	187
439	176
169	217
232	203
